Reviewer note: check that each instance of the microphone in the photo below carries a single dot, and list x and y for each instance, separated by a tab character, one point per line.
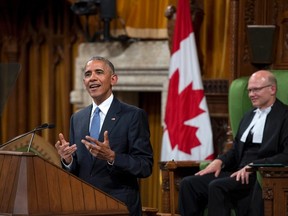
39	128
44	126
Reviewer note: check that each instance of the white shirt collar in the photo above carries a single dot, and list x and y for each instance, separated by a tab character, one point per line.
263	111
257	124
104	106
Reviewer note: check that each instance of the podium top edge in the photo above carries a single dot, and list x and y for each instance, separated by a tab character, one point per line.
16	153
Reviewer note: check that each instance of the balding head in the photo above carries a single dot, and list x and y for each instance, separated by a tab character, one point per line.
264	76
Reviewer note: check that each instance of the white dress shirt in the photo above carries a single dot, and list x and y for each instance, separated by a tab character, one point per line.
258	124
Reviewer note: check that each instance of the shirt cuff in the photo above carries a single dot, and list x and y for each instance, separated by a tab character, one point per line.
111	163
68	166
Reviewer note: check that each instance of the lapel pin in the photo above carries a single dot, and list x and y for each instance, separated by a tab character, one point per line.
113	119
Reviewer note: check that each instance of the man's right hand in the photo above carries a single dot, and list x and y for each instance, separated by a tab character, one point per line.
64	150
213	167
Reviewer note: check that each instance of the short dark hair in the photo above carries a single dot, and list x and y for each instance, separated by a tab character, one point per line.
106	61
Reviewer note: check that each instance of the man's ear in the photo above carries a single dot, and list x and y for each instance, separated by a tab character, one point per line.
114	79
274	89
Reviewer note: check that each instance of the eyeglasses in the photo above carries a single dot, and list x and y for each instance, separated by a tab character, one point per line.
256	90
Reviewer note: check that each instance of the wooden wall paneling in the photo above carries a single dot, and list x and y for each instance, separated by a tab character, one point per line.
220	129
55	60
35	81
42	39
10	50
233	45
256	12
70	35
13	27
149	187
61	61
54	83
280	10
246	17
22	84
264	14
216	92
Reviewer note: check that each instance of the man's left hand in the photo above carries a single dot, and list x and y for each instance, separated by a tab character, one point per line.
99	149
242	175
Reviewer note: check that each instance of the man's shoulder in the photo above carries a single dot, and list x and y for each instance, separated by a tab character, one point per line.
279	105
125	106
279	112
83	111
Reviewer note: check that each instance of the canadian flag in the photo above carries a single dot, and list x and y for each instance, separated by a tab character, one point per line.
187	129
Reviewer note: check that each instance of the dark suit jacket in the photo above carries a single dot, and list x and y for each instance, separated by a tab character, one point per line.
129	137
274	147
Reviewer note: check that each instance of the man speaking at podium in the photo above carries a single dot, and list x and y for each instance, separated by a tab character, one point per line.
109	144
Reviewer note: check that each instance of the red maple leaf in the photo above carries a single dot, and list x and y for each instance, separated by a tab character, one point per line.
180	108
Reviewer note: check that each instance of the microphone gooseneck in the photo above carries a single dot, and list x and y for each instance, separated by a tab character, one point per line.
41	127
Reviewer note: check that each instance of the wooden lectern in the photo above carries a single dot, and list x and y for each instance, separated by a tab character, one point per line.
31	185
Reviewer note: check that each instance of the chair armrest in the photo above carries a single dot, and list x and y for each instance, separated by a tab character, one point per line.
204	164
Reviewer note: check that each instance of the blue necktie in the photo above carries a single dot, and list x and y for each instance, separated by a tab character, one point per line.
95	125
